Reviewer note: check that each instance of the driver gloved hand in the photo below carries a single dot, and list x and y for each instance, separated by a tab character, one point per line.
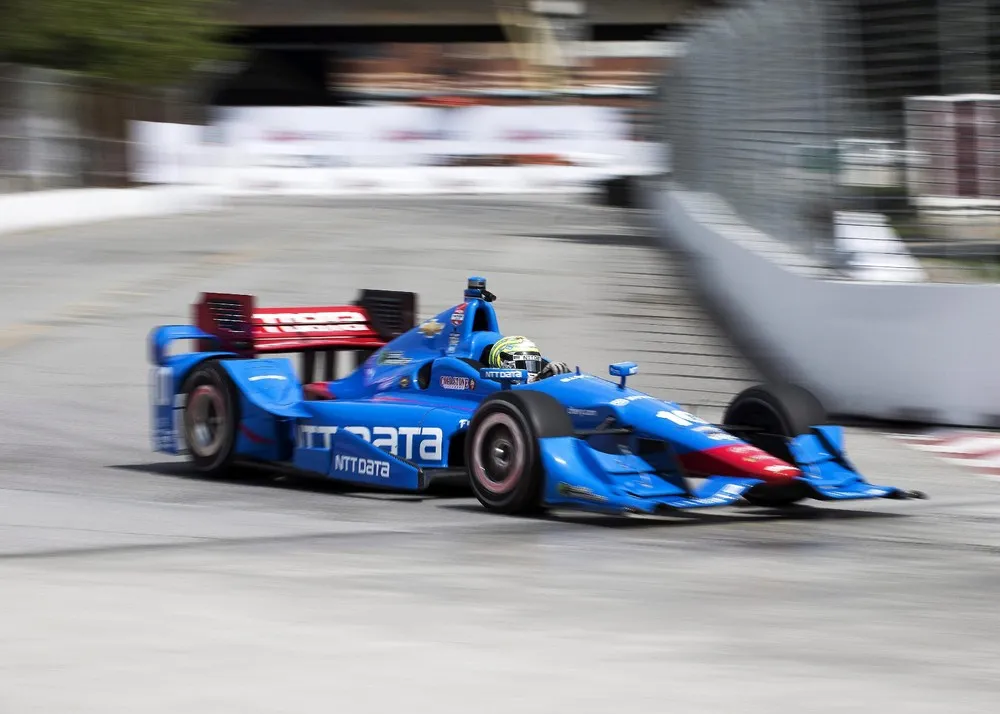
552	369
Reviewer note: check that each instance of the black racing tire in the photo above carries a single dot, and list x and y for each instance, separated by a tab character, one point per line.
211	418
502	451
784	411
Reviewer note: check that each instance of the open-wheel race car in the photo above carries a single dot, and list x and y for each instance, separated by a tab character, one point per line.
433	400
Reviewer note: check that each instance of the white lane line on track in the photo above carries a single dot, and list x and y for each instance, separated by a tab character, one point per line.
977	451
972	445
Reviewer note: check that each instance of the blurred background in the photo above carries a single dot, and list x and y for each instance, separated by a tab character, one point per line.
856	139
864	133
344	84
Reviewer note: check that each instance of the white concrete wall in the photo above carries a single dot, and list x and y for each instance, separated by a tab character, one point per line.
883	350
51	209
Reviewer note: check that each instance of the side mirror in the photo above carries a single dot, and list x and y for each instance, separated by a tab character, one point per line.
506	377
623	370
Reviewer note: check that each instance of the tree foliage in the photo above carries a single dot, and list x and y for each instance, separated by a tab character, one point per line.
150	42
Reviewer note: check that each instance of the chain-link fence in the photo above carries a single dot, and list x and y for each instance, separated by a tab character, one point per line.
60	131
863	132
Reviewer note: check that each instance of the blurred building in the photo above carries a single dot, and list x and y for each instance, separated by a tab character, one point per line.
319	52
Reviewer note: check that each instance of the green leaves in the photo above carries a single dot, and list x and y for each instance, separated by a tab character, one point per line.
146	42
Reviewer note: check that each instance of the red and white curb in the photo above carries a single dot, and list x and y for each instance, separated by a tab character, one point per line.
977	450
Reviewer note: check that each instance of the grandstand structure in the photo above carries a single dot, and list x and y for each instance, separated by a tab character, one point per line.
343	52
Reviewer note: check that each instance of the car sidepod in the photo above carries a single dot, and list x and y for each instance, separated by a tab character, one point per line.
346	455
270	405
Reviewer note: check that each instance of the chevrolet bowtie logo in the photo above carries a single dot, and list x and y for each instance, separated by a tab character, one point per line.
432	328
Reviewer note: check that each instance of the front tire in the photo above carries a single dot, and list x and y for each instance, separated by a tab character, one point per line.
502	450
211	417
782	412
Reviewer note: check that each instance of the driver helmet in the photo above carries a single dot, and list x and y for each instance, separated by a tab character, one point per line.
516	353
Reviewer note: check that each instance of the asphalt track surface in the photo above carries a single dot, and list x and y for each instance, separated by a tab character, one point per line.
128	586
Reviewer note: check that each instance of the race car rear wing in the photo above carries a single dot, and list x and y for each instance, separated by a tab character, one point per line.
239	325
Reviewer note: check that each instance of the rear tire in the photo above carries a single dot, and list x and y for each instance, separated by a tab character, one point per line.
211	418
502	450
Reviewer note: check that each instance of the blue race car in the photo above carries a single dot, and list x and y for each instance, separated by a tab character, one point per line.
453	397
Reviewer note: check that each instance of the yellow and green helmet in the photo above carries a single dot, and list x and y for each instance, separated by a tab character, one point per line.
516	353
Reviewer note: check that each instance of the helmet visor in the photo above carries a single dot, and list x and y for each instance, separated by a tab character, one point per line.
530	361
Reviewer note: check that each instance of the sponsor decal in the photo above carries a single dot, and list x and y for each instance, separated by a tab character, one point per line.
576	377
304	322
571	491
414	135
457	383
392	358
361	467
431	328
163	386
714	433
404	441
530	135
498	375
458	314
279	135
404	382
750	454
278	377
299	161
727	494
453	341
871	491
623	402
463	424
573	411
683	418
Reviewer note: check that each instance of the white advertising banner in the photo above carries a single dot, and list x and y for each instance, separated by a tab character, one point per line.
166	153
319	149
542	130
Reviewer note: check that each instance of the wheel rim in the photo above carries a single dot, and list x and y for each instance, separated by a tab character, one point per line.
206	419
498	454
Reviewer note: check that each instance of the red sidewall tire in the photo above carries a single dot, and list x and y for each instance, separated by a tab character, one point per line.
211	418
502	450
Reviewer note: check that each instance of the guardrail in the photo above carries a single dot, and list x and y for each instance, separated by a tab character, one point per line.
921	351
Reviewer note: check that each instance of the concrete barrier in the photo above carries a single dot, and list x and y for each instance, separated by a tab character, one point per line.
52	209
900	351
